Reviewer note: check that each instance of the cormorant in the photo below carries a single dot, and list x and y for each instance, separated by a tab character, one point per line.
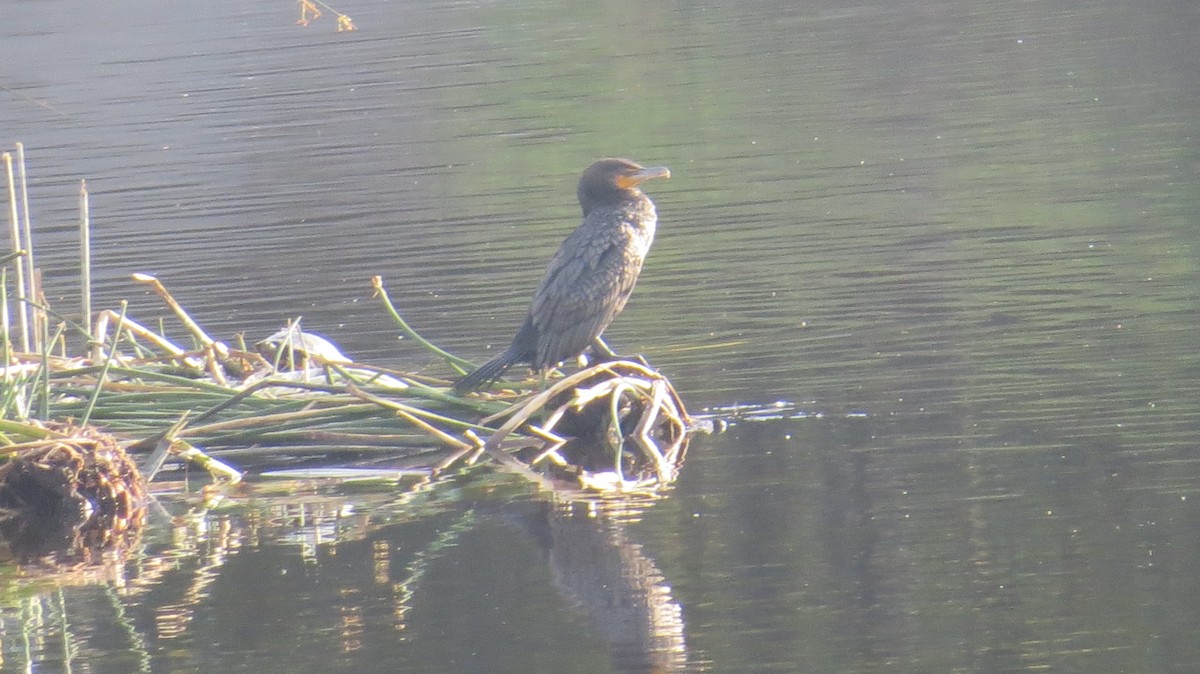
591	276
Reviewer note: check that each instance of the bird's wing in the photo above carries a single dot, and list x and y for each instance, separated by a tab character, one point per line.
586	286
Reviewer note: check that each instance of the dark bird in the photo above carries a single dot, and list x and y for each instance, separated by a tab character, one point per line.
590	277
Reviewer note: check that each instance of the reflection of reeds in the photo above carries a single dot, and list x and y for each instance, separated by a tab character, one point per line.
44	619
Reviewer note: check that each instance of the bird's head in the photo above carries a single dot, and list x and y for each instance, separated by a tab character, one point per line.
613	180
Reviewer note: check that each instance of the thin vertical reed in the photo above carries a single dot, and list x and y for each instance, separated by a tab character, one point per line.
22	309
85	259
103	376
43	379
35	286
7	355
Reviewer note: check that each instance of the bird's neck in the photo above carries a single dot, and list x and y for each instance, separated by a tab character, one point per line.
631	200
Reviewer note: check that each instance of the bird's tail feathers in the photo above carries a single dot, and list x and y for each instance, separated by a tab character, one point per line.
488	372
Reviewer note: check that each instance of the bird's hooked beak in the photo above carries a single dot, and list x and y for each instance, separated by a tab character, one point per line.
628	180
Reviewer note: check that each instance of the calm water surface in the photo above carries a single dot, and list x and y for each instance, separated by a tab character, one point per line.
957	240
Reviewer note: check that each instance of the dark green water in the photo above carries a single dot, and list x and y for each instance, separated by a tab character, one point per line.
959	239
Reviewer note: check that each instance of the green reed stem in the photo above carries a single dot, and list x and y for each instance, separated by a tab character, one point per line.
112	352
43	390
461	365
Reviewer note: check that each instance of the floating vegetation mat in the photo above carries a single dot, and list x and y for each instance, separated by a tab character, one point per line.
289	404
293	400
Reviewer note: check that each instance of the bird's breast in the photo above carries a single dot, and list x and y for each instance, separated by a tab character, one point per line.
641	221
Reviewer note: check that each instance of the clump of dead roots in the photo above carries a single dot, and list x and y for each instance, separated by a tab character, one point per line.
74	495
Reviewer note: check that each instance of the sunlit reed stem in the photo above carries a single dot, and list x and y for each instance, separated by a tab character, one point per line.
112	351
459	364
43	388
85	259
7	355
35	292
181	313
22	310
